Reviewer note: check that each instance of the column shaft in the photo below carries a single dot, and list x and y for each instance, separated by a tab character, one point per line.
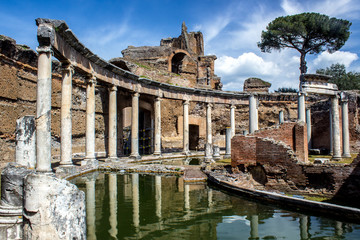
345	128
228	143
186	127
157	143
90	119
135	126
43	111
252	114
113	123
336	128
301	107
66	125
232	120
208	147
308	126
281	117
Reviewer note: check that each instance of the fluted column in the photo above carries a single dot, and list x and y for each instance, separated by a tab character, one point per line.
90	121
43	111
135	126
208	147
66	126
336	128
157	143
345	127
232	119
112	123
308	126
253	123
301	107
186	127
281	117
113	231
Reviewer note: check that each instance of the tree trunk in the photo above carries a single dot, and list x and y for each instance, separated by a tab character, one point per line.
303	69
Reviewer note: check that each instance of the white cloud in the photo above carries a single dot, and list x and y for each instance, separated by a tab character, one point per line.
325	59
291	7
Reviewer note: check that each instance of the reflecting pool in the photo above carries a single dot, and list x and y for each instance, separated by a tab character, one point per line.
136	206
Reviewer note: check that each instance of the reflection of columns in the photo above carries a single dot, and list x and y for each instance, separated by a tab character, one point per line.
301	107
113	205
135	199
43	111
112	123
135	126
281	117
187	196
66	126
232	120
336	128
90	209
186	127
158	196
345	127
253	122
254	227
157	145
304	227
308	126
208	147
228	143
339	228
90	119
210	199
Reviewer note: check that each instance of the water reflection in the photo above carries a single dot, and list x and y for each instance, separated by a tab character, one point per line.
144	206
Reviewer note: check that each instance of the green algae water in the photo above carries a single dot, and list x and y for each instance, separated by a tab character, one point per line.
136	206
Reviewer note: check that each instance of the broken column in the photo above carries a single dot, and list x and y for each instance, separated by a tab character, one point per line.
186	127
90	123
336	128
228	143
135	126
208	147
232	119
25	142
112	123
345	126
253	122
157	143
66	125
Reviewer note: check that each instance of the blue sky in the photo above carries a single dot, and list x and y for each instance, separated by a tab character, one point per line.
231	31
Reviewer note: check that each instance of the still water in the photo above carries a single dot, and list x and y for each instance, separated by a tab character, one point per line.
136	206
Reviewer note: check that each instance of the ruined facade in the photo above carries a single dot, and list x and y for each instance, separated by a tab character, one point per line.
256	85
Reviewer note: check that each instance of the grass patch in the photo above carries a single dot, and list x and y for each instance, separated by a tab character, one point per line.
225	160
343	160
317	198
143	66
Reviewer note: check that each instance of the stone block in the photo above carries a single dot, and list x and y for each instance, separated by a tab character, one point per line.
321	161
25	142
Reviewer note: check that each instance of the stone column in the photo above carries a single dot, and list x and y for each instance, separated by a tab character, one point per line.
345	128
301	107
90	209
208	147
157	143
232	119
43	111
228	143
281	117
66	125
25	153
113	231
254	227
336	128
308	126
90	122
186	127
135	199
112	123
135	126
252	114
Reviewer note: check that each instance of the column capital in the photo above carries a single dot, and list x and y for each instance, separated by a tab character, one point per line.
66	67
157	98
209	105
186	102
44	49
91	79
232	106
135	94
113	88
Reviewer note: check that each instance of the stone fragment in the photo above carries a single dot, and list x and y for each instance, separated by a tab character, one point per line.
25	142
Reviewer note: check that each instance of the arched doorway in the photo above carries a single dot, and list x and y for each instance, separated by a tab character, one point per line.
176	62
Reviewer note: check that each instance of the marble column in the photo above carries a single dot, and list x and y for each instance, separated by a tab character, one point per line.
66	125
135	126
113	231
232	119
90	209
336	128
308	126
43	111
112	154
253	123
345	128
281	117
208	147
135	200
90	122
301	107
157	143
186	127
228	143
254	227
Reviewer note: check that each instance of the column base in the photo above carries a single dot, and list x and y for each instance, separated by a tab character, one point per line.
135	156
208	159
186	153
336	158
346	155
227	155
66	169
157	153
91	162
113	159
